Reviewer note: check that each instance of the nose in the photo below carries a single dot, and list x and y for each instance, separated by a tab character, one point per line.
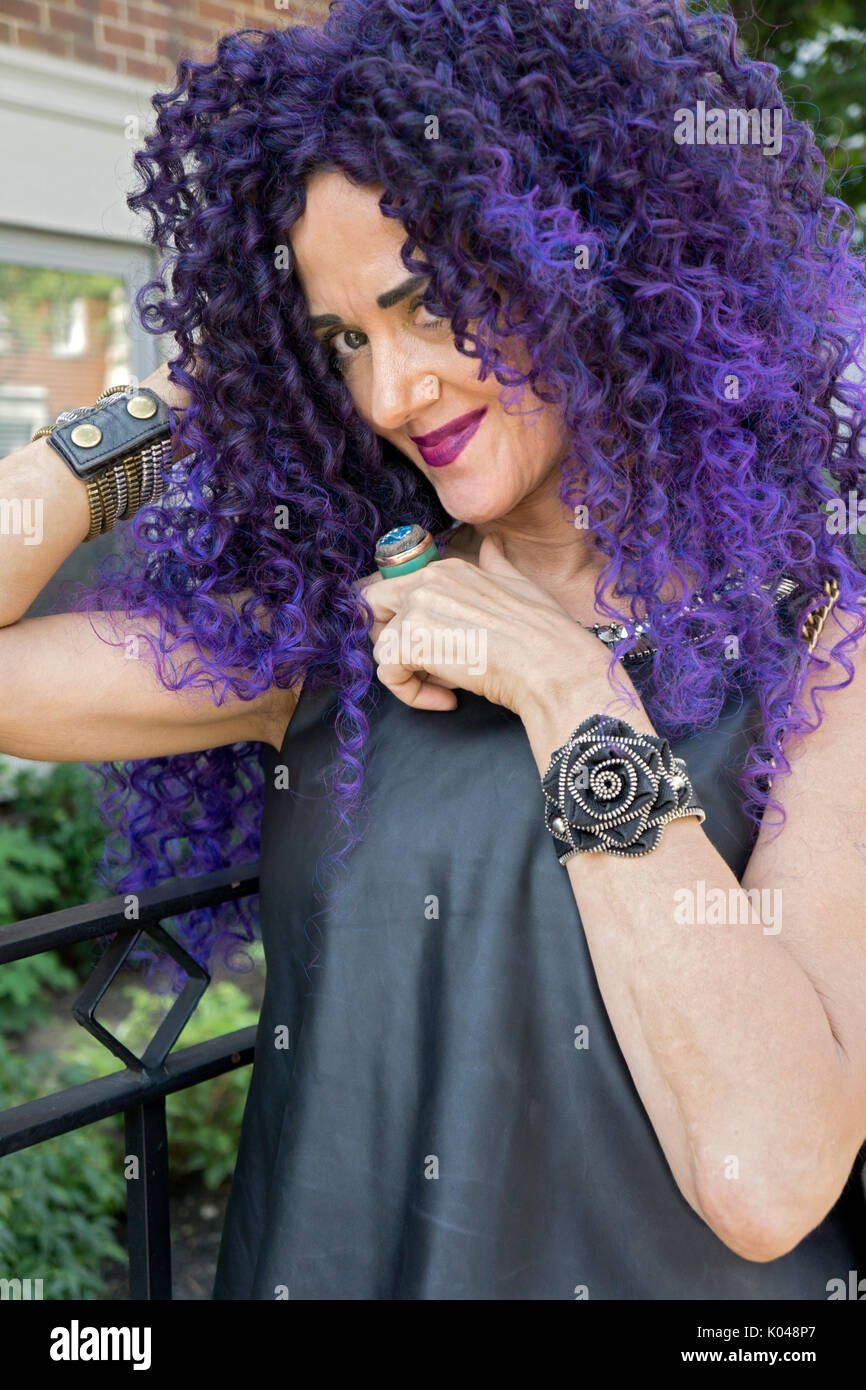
397	390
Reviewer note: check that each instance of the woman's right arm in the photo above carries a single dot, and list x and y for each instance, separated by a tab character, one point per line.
65	694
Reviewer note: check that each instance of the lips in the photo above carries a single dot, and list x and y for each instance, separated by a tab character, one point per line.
443	445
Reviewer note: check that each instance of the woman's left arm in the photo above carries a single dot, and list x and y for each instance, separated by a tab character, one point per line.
746	1042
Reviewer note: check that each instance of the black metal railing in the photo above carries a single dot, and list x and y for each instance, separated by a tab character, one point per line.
139	1091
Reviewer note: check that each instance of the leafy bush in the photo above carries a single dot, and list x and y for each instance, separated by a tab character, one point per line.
25	868
24	985
60	1200
51	838
51	841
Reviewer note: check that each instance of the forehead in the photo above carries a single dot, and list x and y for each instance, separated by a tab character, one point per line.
346	253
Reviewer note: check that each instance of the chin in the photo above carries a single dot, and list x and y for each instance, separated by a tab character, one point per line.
473	510
477	516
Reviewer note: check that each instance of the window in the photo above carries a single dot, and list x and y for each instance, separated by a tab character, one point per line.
64	344
69	327
22	410
67	332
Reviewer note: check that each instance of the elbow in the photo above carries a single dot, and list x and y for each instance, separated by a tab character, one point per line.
759	1223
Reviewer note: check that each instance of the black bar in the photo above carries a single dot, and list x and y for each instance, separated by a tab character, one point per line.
138	1094
89	920
108	1095
148	1236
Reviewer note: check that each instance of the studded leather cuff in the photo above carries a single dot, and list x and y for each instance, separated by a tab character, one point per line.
611	790
124	424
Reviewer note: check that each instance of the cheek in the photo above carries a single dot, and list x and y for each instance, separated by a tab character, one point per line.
356	382
534	435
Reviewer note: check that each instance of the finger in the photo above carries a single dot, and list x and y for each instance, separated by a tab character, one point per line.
416	690
366	584
440	680
386	596
373	637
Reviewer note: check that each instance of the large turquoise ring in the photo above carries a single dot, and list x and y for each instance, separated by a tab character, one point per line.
404	549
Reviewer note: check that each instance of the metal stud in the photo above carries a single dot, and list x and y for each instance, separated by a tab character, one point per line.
86	436
141	407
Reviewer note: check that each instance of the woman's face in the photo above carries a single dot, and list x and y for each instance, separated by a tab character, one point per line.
347	258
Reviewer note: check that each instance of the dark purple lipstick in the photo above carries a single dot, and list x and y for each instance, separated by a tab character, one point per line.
442	446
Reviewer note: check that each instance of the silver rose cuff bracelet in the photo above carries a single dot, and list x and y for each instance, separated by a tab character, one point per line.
610	790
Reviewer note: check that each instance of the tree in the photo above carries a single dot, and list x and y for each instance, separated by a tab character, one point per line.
820	48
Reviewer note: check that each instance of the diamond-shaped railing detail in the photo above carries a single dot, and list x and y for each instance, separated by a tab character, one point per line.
175	1020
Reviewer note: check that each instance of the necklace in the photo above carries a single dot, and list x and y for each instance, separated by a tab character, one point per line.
613	633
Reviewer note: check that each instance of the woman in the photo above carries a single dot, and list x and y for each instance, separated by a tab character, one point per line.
523	1037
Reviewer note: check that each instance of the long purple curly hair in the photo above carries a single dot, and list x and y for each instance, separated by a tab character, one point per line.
555	130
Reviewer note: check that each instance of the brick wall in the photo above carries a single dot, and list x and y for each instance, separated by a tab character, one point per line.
140	38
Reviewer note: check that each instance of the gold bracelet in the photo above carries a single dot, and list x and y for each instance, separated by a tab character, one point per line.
134	470
811	628
97	515
108	493
113	390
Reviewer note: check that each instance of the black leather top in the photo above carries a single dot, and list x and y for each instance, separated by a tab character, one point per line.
432	1131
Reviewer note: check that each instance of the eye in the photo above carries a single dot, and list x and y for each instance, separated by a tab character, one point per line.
354	339
338	360
418	303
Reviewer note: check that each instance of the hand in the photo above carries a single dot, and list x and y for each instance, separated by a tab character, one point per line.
485	628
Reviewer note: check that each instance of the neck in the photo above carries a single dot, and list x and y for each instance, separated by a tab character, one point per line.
541	541
557	558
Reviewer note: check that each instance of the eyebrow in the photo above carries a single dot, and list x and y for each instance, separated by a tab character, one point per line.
384	301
